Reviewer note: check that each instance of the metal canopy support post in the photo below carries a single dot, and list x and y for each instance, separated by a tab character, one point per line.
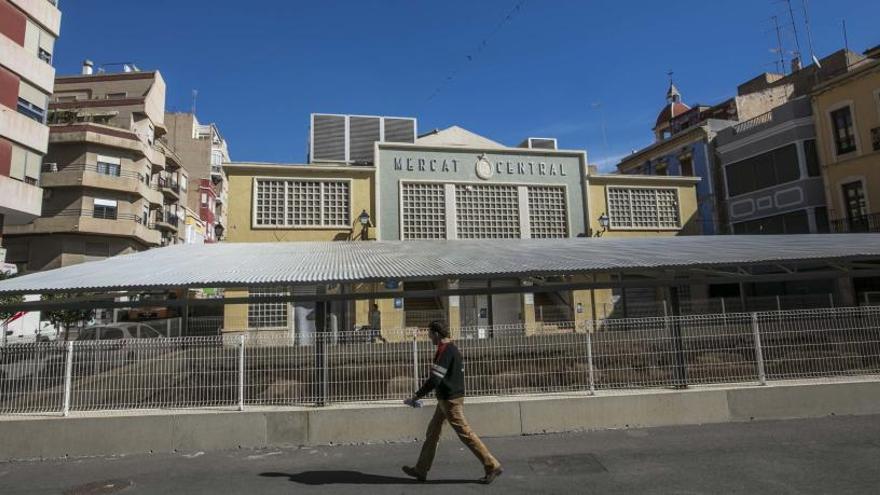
681	378
320	353
184	321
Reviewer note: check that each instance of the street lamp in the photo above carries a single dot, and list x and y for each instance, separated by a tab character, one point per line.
364	220
604	222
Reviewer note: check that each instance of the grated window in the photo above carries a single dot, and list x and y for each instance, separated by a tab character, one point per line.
302	203
643	208
267	315
487	211
424	211
547	212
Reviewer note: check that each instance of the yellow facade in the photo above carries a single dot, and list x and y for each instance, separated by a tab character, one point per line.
241	228
686	189
859	90
241	193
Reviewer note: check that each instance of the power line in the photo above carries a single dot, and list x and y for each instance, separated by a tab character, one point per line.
469	58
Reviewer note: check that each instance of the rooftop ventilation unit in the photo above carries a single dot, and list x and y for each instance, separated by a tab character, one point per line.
539	143
350	138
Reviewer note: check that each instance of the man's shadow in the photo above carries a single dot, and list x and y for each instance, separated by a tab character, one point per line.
354	478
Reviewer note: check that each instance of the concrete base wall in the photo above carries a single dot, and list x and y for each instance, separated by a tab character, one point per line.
192	431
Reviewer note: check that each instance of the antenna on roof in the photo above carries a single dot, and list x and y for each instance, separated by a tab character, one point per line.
797	41
780	65
195	95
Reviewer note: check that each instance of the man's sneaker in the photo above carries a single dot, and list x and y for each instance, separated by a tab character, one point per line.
411	471
491	475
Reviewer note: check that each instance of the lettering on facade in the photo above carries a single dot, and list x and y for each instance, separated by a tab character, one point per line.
484	168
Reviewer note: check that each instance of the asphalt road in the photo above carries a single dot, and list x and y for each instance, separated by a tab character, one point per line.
829	455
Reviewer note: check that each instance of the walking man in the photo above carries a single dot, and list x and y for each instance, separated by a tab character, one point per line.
447	379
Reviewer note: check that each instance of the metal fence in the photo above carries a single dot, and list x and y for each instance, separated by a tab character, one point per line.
269	368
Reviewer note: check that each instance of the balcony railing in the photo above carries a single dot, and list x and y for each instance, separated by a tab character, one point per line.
864	223
52	168
753	123
103	214
166	183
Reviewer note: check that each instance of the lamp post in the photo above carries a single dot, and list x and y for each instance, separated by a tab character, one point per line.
364	220
604	222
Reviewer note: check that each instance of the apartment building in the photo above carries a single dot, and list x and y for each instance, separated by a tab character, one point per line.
112	182
847	116
685	136
203	151
449	184
770	168
28	30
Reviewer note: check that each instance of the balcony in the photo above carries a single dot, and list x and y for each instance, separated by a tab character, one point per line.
173	161
167	222
861	224
95	222
169	188
91	176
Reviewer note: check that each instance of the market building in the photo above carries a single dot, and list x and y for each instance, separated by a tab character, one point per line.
448	184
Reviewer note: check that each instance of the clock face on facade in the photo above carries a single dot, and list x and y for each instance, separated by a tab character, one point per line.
484	168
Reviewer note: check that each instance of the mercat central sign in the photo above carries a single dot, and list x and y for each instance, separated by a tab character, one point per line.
483	167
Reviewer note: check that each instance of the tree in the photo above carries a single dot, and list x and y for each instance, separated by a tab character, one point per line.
65	318
5	315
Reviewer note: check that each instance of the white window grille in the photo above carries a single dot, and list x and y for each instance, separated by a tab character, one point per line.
267	315
487	211
548	214
302	203
424	211
643	208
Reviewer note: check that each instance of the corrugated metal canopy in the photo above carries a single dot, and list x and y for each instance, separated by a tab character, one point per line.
291	263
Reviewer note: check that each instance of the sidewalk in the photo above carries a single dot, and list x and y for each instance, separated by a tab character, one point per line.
828	455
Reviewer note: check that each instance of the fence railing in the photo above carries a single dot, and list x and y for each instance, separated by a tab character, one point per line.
270	368
714	305
859	224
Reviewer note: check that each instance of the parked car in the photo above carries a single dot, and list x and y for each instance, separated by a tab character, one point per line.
118	331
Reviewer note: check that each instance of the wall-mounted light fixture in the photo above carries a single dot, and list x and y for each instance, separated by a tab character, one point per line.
604	222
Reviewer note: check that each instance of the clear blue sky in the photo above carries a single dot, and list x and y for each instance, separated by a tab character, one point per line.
261	67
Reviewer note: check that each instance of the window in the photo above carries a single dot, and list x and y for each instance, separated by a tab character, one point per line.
812	158
184	182
97	249
117	96
105	208
109	165
204	199
32	102
302	203
216	158
267	315
844	134
38	42
145	214
643	208
487	211
687	167
854	200
548	214
762	171
25	165
795	222
424	211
